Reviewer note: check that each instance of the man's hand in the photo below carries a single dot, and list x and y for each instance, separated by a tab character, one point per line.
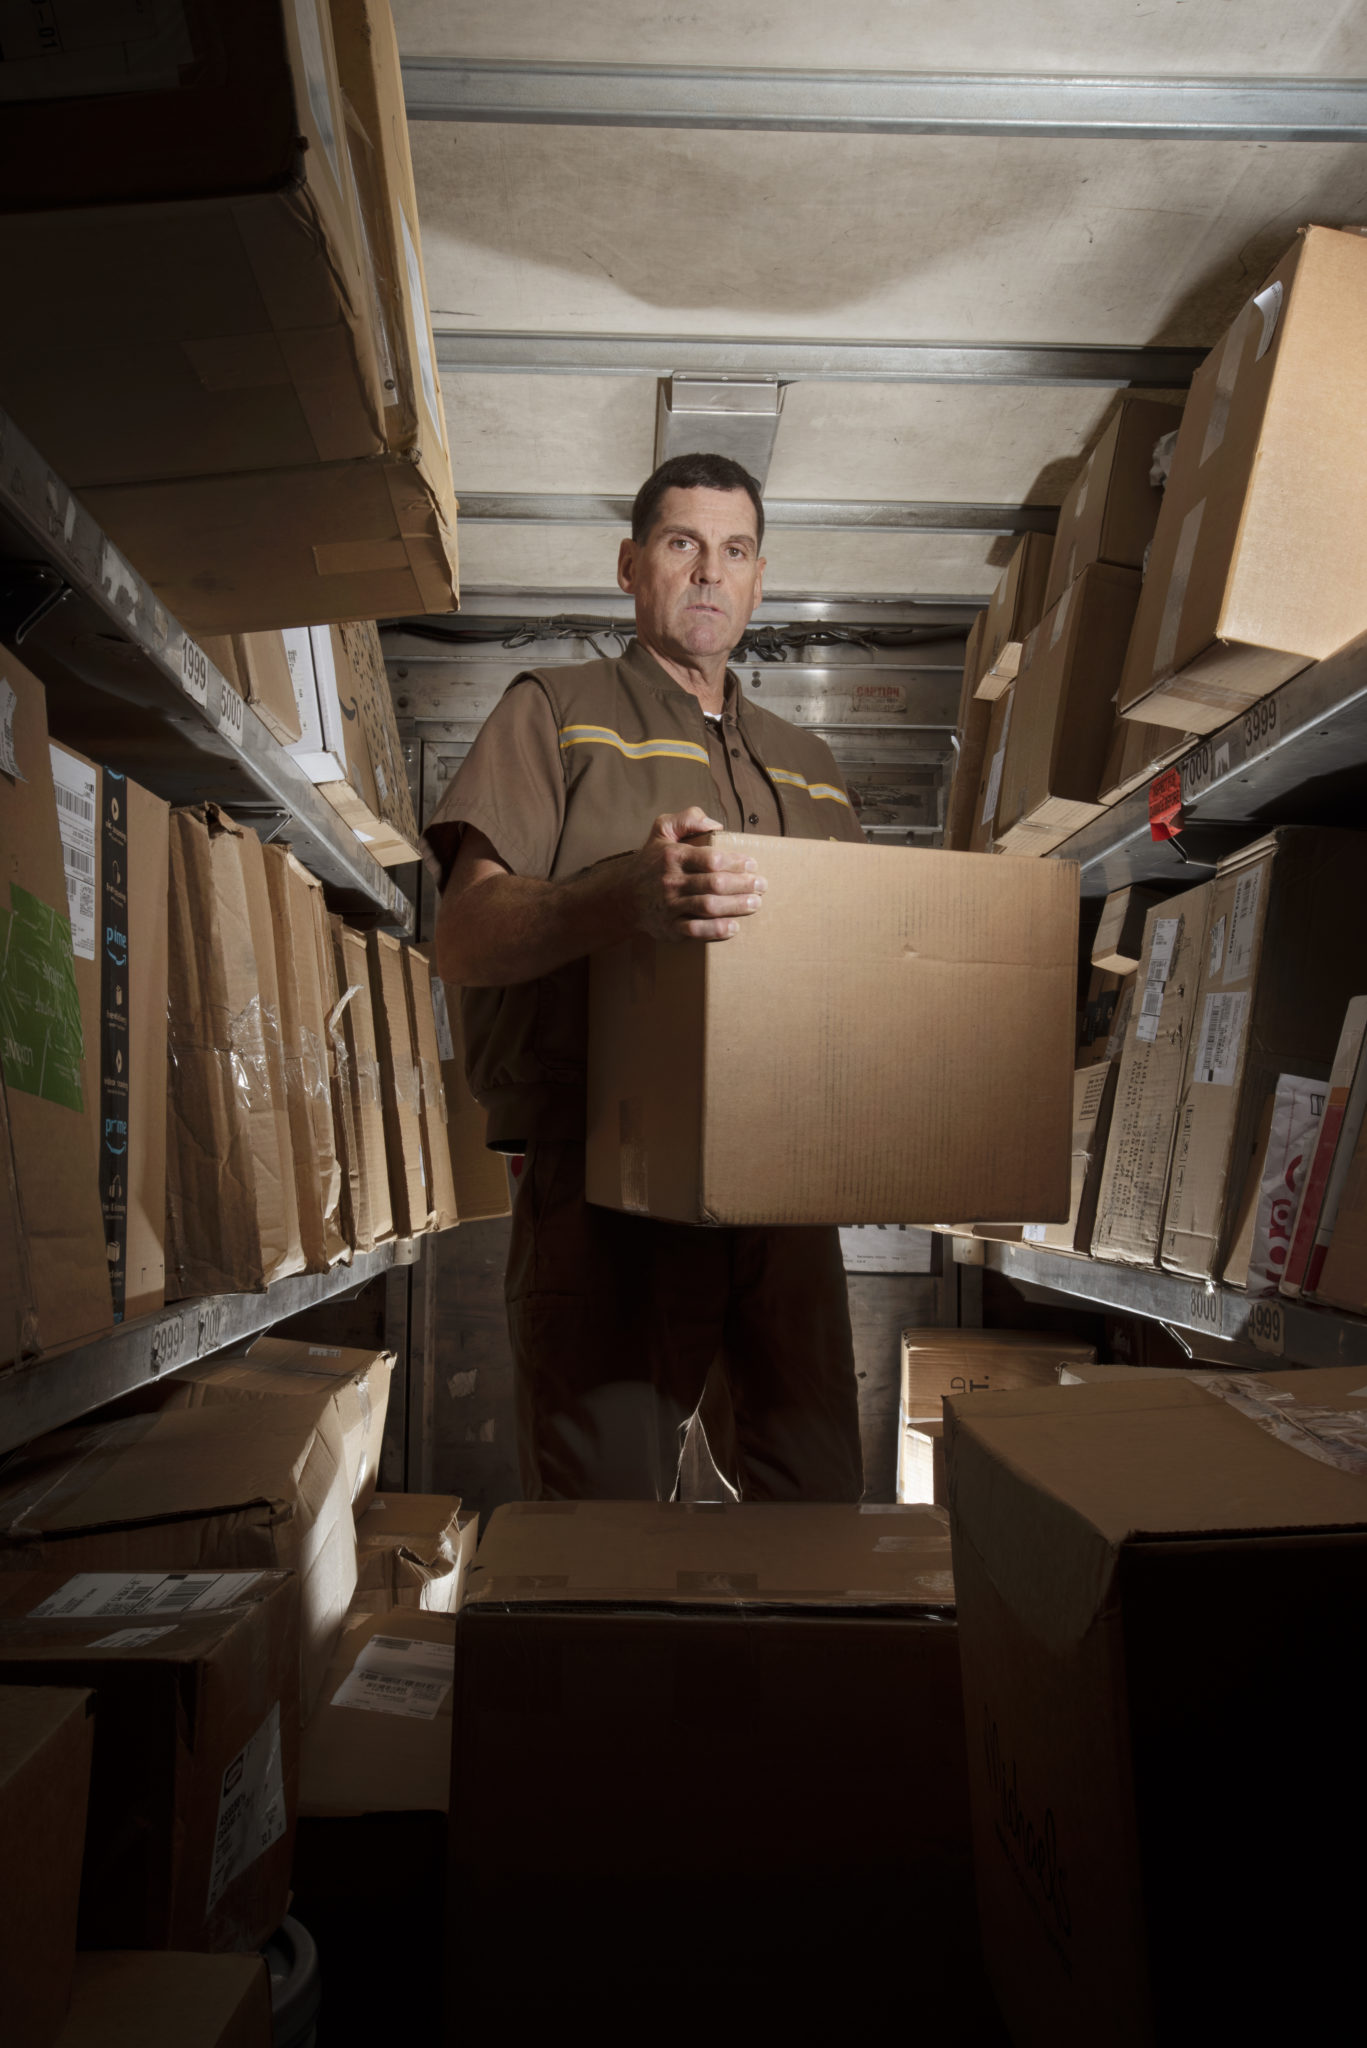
678	890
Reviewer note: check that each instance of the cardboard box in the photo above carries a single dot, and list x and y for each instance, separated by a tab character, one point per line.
1134	1174
1119	942
170	2001
252	1487
1134	1565
436	1135
367	1217
54	1270
1112	507
352	1386
1093	1097
1016	609
194	1781
1286	938
970	738
400	1087
332	748
114	845
380	1741
1103	1017
232	1211
993	760
1064	712
1259	561
479	1176
371	77
243	421
1136	754
367	680
1343	1277
413	1550
46	1737
940	1362
296	901
264	679
600	1637
264	357
918	1067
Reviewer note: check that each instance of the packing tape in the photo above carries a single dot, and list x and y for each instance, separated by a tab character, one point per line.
1231	355
312	1063
434	1092
1329	1435
1165	647
367	1078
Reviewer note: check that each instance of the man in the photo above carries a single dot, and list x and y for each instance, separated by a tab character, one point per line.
573	823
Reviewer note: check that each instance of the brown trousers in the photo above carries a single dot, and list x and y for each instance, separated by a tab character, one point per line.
616	1320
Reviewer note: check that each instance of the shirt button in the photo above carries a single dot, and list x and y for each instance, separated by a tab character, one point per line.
754	817
735	753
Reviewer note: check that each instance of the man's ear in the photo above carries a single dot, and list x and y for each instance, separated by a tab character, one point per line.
626	564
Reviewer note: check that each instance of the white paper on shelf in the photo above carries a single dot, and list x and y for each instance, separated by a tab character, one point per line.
99	1593
73	785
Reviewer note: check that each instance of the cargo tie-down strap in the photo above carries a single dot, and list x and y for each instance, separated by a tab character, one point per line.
1336	1437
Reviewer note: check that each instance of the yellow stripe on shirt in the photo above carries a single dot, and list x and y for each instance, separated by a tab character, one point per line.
635	750
820	790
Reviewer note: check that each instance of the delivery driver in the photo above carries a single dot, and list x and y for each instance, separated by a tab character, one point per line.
569	827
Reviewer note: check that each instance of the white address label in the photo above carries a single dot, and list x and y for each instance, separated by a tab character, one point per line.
251	1807
100	1593
396	1675
1222	1036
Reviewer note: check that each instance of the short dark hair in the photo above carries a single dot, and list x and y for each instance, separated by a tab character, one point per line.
693	473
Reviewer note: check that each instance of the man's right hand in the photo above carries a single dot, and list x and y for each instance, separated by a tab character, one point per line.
680	890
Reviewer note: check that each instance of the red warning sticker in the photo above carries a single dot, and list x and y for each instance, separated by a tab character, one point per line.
1165	804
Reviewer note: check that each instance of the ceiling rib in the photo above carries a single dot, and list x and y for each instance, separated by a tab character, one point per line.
864	103
588	607
824	515
874	362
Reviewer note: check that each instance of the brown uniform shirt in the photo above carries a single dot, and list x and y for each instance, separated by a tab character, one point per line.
571	768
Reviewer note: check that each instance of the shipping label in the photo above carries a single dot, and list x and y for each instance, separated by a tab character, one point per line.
251	1807
133	1638
1222	1037
1156	978
1243	925
8	759
73	785
396	1675
99	1593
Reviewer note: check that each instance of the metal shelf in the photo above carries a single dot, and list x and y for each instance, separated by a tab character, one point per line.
1290	1330
1297	757
128	683
46	1393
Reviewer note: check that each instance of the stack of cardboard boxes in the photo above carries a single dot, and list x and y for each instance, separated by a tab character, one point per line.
1168	610
230	207
195	1098
207	1573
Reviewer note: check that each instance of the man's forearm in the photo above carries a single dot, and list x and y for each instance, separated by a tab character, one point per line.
506	928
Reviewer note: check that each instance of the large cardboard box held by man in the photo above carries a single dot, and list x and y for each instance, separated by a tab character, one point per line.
257	1486
54	1274
193	1786
115	847
1259	562
889	1040
1286	936
1151	1579
46	1738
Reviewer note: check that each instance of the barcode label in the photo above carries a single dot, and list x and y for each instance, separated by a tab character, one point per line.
130	1593
251	1807
1156	978
1222	1036
76	802
74	787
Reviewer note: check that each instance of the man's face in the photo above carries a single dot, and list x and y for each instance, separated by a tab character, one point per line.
697	576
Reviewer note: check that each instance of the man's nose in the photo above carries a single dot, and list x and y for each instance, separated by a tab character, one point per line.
707	568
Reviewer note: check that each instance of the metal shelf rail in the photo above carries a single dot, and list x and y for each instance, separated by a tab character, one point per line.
46	1393
1297	757
126	679
1294	1330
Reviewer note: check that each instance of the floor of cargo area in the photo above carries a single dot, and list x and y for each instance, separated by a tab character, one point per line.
855	1952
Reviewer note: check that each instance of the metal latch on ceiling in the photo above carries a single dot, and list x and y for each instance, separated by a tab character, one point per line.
735	416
